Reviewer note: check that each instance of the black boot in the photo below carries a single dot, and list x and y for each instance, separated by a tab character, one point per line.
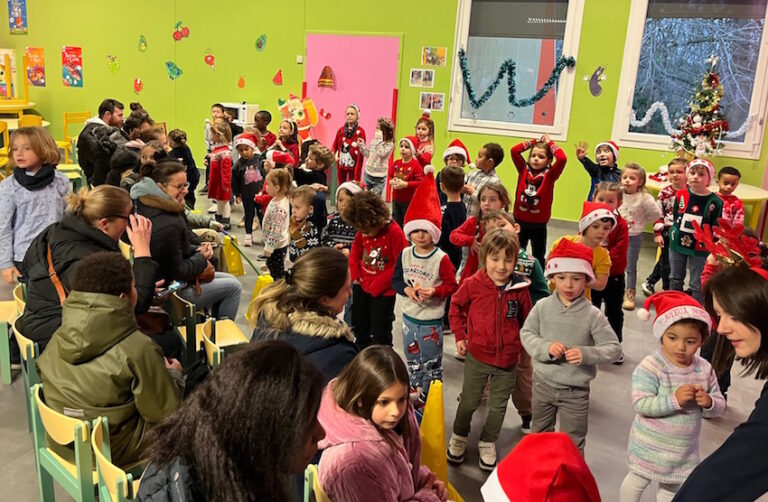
226	223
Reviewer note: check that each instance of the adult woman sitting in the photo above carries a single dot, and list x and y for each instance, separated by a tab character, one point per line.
241	434
159	196
94	221
737	298
302	310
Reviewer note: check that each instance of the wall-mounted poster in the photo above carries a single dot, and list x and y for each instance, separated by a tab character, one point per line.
36	66
72	66
433	56
434	101
17	17
422	78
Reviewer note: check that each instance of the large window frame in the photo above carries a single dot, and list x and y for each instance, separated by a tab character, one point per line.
758	110
559	129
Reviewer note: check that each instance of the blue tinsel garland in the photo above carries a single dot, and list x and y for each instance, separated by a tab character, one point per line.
509	67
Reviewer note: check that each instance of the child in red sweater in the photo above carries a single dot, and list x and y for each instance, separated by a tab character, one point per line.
535	190
425	139
372	259
404	176
728	178
350	138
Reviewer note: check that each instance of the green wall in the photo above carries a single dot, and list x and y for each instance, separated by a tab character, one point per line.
103	28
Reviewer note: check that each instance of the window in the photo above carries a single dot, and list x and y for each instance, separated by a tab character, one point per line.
532	33
668	44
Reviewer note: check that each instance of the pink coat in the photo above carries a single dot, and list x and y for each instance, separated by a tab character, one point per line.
358	464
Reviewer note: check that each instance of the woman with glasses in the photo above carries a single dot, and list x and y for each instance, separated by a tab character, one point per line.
159	195
94	221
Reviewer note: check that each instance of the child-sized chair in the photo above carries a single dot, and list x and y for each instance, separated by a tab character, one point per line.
213	353
66	143
31	121
7	315
5	149
115	485
30	351
313	492
183	320
78	478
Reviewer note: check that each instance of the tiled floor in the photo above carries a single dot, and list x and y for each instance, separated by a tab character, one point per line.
610	411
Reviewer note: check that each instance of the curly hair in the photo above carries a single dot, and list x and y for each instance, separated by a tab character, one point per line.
90	273
323	156
495	152
366	211
241	430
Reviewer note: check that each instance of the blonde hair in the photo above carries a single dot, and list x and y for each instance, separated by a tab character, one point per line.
639	169
305	193
282	178
41	142
612	187
322	155
499	240
104	201
496	215
221	128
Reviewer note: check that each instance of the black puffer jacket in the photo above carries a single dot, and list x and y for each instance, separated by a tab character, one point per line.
94	149
171	248
71	240
173	482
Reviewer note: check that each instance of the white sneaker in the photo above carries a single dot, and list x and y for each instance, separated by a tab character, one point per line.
212	208
457	446
248	240
487	453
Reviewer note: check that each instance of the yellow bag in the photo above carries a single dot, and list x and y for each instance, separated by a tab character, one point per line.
433	438
231	255
262	282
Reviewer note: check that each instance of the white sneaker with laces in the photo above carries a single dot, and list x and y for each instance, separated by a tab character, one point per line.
487	453
457	446
248	240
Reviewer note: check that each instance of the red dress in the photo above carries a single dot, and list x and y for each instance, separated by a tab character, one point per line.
220	179
350	157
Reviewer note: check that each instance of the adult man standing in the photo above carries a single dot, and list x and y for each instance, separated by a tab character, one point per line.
94	147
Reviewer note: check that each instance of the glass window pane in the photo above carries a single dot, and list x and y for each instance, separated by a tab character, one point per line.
678	38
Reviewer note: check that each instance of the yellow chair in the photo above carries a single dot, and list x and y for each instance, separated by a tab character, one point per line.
115	485
126	249
75	174
5	149
19	298
78	478
162	126
213	353
223	332
312	489
66	143
184	320
30	351
7	315
31	121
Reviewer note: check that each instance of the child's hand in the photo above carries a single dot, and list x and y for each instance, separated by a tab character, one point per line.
319	187
10	274
461	347
475	247
268	165
173	364
467	189
685	394
439	488
356	282
574	355
545	139
557	350
345	252
703	399
413	294
581	150
426	293
398	184
239	199
659	240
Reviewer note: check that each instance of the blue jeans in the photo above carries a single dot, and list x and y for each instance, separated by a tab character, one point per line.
374	184
221	296
423	347
633	254
677	263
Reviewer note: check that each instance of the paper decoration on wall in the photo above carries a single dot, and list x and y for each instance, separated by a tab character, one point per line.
36	66
594	81
142	43
278	78
434	56
326	115
241	82
209	59
72	66
174	71
301	111
138	85
17	17
261	42
421	77
113	65
509	67
434	101
326	77
180	31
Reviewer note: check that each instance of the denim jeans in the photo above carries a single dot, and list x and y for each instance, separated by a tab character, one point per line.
677	264
221	295
374	184
633	253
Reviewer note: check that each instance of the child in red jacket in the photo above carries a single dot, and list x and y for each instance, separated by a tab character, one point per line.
535	190
404	176
486	315
375	250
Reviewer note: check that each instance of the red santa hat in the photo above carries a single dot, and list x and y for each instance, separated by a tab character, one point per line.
613	146
457	148
424	211
671	307
412	141
569	256
703	163
279	157
352	187
595	211
544	467
248	139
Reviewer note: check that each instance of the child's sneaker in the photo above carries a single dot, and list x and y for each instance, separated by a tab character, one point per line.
212	208
526	427
648	289
487	455
248	240
457	446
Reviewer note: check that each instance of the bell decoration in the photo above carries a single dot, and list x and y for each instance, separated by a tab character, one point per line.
326	78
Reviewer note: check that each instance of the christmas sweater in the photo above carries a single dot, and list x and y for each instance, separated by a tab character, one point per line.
433	270
478	179
276	224
338	231
638	209
268	137
220	179
247	172
410	171
536	189
347	147
372	259
665	201
304	236
664	439
598	174
379	156
689	207
424	151
733	209
617	245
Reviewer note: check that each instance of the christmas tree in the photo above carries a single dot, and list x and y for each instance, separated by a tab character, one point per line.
703	126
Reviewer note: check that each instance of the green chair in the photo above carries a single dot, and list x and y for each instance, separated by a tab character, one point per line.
115	485
30	351
78	478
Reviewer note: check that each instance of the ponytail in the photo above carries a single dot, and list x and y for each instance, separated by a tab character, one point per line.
103	201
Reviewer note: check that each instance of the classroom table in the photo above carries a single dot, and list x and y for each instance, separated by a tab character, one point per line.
13	124
750	195
17	107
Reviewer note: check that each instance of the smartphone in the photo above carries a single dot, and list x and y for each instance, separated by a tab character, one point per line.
163	294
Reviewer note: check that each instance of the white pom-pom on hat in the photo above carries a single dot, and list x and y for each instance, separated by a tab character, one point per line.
429	168
643	314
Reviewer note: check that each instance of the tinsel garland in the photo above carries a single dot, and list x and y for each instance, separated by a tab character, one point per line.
659	106
509	67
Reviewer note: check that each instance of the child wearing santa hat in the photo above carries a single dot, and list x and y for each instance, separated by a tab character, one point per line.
404	176
423	279
672	388
488	159
567	337
247	179
606	169
455	156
